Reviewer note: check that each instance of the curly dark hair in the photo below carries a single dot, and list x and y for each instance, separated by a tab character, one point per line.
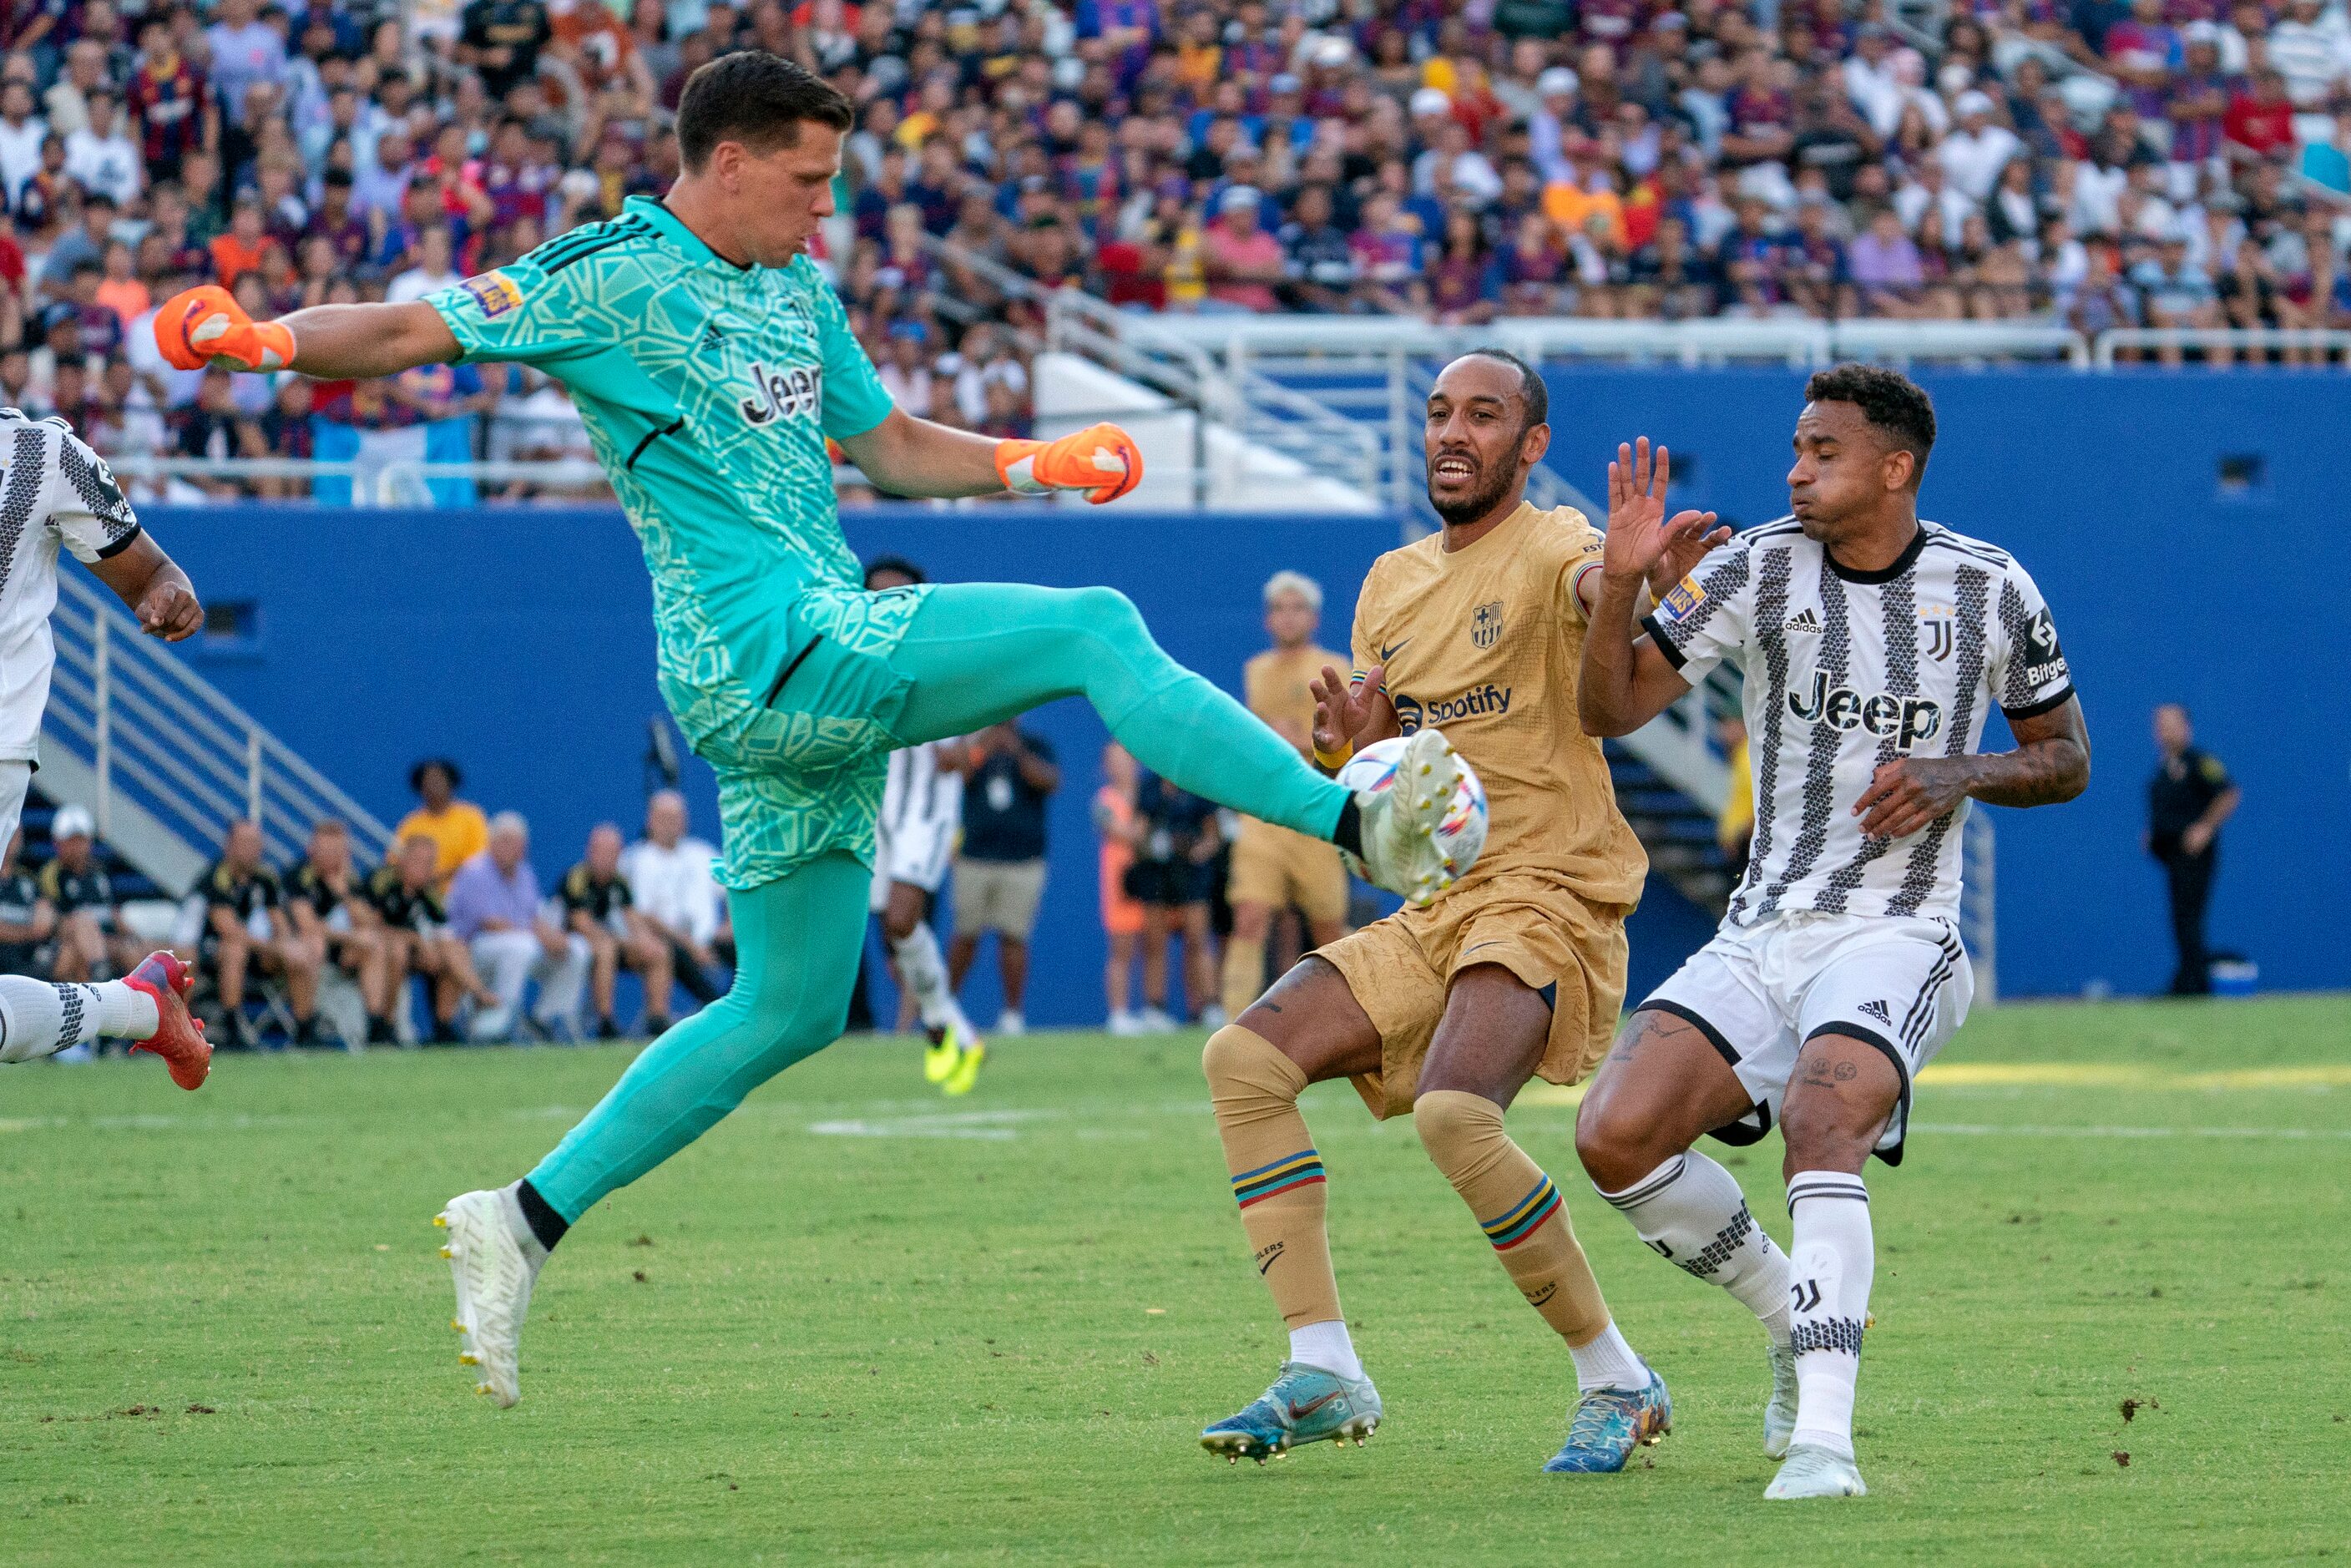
1895	405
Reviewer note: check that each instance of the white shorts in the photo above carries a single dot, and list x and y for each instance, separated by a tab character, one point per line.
15	777
1901	983
918	852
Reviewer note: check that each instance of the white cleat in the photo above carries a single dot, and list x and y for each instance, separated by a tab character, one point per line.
1815	1471
1779	1413
494	1274
1401	850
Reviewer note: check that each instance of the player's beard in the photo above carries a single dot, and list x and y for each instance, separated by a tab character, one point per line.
1491	484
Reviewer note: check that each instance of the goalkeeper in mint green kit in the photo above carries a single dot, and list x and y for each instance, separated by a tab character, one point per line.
710	360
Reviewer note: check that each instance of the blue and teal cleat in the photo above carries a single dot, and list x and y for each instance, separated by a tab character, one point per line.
1608	1424
1305	1405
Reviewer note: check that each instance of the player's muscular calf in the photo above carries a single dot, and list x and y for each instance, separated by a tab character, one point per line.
1838	1103
1662	1086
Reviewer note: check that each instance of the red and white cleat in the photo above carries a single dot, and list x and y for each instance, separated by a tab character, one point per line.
178	1038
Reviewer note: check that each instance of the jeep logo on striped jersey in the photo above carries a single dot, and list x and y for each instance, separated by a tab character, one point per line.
1910	719
782	394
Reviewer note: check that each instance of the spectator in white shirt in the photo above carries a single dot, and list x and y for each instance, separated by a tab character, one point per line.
1555	92
1933	209
21	134
246	50
66	103
669	873
2312	50
1873	80
1977	150
432	271
905	368
102	155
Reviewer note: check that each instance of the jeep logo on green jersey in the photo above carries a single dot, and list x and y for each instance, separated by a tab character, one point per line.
782	394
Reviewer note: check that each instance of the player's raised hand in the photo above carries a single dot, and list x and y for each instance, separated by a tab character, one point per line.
207	326
1642	544
1343	710
1101	459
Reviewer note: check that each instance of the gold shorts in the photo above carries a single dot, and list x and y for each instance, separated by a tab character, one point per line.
1275	866
1402	968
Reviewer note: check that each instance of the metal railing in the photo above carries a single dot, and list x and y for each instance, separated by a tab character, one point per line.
402	481
2237	342
166	759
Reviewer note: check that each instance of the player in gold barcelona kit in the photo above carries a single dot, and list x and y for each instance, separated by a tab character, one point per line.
1274	868
1446	1012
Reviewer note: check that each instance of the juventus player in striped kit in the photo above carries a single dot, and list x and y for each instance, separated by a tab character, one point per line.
1874	645
57	493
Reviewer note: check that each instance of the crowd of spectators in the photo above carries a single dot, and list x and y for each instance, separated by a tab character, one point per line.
453	938
2098	161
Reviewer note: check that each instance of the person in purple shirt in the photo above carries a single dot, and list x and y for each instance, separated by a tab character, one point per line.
496	910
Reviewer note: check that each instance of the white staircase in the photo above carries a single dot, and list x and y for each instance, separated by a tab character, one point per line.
164	760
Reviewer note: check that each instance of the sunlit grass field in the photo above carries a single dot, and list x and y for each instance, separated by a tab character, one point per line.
858	1323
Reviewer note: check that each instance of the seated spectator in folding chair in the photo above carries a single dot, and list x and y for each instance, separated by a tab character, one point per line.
335	925
91	940
457	828
26	919
494	907
246	932
597	906
669	876
414	924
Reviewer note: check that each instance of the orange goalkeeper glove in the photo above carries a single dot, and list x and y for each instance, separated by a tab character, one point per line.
1101	459
207	327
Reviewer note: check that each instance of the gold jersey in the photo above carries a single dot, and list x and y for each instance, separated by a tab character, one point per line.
1487	643
1278	687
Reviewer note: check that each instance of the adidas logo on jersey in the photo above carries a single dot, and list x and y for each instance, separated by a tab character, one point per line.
1806	621
1879	1011
713	339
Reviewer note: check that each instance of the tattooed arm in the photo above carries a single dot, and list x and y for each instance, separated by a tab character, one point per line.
2051	764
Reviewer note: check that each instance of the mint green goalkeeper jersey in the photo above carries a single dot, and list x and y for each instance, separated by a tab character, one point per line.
708	390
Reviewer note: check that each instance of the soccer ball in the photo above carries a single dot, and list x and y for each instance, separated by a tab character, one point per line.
1463	832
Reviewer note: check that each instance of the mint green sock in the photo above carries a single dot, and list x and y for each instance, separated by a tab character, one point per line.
981	653
796	942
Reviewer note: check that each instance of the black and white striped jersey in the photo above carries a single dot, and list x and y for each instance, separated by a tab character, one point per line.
922	812
1846	670
54	492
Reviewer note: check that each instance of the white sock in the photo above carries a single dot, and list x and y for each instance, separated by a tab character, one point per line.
1607	1362
1831	1261
925	976
39	1018
1690	1211
1325	1344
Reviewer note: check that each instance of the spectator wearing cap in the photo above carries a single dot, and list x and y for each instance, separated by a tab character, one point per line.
496	910
89	934
1977	149
457	828
1241	260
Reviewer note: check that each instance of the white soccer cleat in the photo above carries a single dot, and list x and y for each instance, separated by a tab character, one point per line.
1401	850
1814	1471
1779	1411
494	1274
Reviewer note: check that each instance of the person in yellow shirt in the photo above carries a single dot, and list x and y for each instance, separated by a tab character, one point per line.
457	828
1274	868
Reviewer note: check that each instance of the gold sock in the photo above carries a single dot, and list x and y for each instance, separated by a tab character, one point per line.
1277	1175
1244	975
1517	1207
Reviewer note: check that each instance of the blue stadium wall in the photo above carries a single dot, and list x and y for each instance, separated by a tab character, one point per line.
519	640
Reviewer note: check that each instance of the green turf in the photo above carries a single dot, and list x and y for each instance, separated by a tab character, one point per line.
857	1323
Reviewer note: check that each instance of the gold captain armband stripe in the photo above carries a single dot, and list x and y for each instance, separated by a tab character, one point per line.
1333	762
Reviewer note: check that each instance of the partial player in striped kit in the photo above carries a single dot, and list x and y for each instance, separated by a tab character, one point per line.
1875	646
57	493
913	841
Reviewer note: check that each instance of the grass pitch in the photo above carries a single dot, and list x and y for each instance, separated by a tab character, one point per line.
859	1323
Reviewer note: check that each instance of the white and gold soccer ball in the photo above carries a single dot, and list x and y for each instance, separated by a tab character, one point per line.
1462	834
